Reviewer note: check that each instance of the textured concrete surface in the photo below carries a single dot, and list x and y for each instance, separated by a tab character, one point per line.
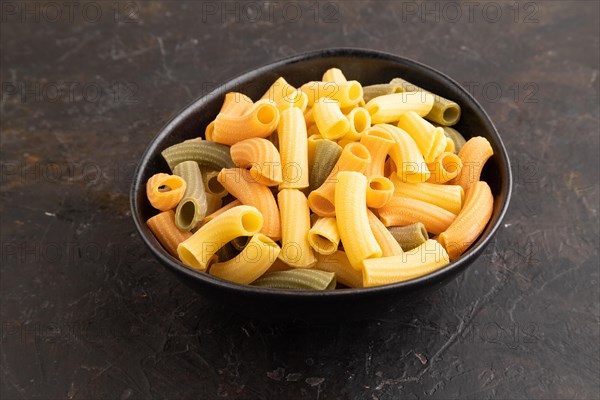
88	313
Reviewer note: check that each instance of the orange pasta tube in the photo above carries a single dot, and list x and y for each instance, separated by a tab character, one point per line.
473	155
471	221
401	211
406	155
379	191
164	229
389	245
294	149
355	157
236	104
444	168
262	157
208	132
378	142
174	189
448	197
240	184
221	210
259	121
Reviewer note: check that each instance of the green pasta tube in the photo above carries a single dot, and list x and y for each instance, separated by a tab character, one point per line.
327	154
372	91
409	236
444	112
192	208
456	137
207	154
300	279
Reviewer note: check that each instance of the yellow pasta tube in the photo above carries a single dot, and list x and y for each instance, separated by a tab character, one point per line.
338	264
295	223
355	157
253	261
401	211
378	142
450	146
168	234
430	140
344	141
406	155
259	121
379	191
324	237
164	191
475	152
389	107
445	167
470	222
199	249
293	149
285	95
360	120
236	104
221	210
347	93
262	157
448	197
422	260
329	119
242	186
334	75
353	222
389	246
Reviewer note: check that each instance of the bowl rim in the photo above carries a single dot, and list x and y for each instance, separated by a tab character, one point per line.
210	280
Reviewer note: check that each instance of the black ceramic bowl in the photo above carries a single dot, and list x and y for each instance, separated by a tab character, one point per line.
368	67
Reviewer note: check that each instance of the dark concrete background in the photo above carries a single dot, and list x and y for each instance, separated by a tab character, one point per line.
88	313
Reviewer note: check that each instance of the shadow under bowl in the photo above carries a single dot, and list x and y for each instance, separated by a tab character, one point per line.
368	67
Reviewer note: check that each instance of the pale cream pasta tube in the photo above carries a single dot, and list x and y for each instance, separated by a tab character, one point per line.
199	249
353	222
293	148
422	260
295	224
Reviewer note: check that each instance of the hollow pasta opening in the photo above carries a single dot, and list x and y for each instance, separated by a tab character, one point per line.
325	245
321	205
188	258
360	121
214	186
451	115
186	214
266	114
250	222
450	163
359	151
380	184
354	91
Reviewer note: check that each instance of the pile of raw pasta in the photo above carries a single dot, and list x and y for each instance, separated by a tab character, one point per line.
332	184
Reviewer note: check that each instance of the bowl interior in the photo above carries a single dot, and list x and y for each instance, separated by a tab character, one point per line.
367	67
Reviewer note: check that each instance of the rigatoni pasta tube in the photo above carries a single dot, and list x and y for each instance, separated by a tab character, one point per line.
251	263
353	222
329	119
389	245
409	236
191	210
355	157
242	186
448	197
168	234
473	155
338	264
297	279
167	198
236	104
312	145
445	167
334	75
443	111
262	157
372	91
378	142
379	191
326	155
221	210
347	94
206	154
458	139
360	120
471	221
259	121
409	163
295	223
400	211
293	149
423	260
430	140
390	107
197	250
324	237
213	186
